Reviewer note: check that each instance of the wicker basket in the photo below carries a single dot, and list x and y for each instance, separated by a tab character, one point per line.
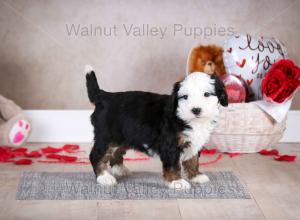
245	128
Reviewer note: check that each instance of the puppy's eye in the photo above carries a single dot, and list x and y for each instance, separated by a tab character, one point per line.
207	94
184	97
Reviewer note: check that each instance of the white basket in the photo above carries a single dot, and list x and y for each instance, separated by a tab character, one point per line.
245	128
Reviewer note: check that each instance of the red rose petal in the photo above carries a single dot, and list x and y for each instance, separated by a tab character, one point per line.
33	154
61	157
5	154
232	154
49	149
269	152
289	158
23	162
19	152
53	156
71	148
209	151
20	149
68	158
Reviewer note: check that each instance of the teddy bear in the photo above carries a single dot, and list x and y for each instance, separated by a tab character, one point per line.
208	59
14	125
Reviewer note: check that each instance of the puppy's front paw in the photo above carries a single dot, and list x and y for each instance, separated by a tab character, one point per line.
106	179
120	170
180	184
200	178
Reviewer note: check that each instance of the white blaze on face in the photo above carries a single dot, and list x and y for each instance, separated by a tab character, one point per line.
197	90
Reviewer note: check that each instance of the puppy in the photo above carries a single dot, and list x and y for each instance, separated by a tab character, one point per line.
173	127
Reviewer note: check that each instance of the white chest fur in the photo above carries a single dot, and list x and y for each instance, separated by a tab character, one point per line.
198	135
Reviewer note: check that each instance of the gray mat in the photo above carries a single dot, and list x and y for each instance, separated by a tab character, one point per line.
138	186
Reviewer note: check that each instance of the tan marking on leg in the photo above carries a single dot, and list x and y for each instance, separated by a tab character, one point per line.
117	156
191	166
102	164
171	174
182	141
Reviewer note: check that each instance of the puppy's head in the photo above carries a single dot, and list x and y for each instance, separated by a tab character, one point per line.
198	96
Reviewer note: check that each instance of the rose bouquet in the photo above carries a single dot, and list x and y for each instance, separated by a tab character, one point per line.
278	88
281	81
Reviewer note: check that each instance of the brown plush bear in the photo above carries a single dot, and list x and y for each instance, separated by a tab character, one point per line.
207	59
14	125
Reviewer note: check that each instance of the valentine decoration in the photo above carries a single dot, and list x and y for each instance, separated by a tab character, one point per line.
15	126
251	57
281	81
62	157
231	155
219	157
5	154
278	87
265	152
21	155
277	156
209	151
33	154
53	155
71	148
50	149
288	158
235	88
23	162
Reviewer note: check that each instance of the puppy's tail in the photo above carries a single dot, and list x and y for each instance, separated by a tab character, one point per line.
92	84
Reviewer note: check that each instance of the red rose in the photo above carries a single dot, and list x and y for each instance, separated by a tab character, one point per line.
271	85
281	81
286	91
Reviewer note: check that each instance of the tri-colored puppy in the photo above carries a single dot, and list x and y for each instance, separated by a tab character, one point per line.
175	127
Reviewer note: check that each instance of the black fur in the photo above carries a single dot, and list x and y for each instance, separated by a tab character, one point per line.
220	91
133	119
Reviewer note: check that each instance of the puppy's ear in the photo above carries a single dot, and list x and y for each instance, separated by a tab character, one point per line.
220	91
173	102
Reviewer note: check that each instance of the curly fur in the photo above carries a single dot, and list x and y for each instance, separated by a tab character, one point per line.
164	125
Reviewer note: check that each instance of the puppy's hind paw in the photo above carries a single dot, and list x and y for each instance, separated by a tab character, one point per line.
180	184
106	179
201	178
120	170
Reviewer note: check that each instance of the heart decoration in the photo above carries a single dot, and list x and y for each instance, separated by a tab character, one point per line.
242	64
251	57
229	50
249	81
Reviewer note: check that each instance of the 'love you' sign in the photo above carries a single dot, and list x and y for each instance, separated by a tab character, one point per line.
251	57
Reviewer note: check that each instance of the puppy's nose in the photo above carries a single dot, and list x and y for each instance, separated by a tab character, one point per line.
196	111
209	63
